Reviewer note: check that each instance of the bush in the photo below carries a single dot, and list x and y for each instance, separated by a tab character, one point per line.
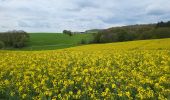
18	45
67	32
83	41
1	45
162	32
16	39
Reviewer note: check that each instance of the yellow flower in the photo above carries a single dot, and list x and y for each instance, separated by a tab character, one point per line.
79	92
120	94
107	90
70	92
88	71
128	94
24	95
90	89
12	94
113	86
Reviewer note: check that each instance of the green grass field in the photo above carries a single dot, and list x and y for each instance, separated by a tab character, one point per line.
51	41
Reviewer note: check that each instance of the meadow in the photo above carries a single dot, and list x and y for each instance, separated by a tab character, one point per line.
117	71
51	41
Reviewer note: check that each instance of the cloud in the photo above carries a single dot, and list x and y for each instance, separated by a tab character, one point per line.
79	15
34	24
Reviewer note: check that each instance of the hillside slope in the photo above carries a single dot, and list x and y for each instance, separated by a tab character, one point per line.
51	41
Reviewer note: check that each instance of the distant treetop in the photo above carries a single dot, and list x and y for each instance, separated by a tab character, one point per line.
163	24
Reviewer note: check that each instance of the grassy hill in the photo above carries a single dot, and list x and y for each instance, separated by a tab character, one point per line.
115	71
48	41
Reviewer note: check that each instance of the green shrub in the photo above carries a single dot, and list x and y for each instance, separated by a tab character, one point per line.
83	41
16	39
67	32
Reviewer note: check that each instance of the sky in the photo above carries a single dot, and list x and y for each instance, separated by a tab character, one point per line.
79	15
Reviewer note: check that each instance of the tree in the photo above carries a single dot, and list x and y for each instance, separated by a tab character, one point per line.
1	45
67	32
163	24
14	38
83	41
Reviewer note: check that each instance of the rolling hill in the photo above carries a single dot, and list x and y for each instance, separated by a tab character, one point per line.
50	41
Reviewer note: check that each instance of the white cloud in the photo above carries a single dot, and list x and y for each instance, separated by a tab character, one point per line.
79	15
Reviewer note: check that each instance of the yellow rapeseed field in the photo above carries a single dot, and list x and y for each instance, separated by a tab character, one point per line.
127	70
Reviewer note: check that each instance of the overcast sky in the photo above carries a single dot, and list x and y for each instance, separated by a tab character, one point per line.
79	15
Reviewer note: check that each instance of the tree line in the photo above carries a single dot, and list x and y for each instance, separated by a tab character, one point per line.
15	39
133	32
70	33
67	32
163	24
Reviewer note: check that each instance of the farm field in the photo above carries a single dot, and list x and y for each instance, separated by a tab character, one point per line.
120	71
52	41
